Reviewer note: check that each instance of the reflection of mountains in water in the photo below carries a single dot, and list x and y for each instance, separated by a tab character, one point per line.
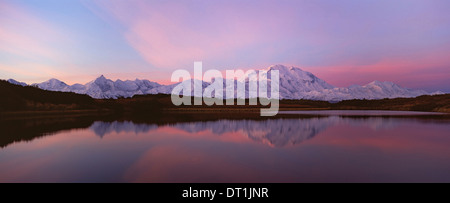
29	129
102	128
275	132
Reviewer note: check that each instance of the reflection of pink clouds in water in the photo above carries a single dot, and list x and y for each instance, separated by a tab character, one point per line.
409	139
342	150
71	138
24	168
178	163
37	157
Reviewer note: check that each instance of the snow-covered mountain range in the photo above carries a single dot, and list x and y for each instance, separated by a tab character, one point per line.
294	84
17	82
102	88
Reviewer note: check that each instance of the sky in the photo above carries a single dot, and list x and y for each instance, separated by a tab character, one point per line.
344	42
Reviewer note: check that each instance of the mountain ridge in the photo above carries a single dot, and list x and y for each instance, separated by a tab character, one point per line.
32	101
295	83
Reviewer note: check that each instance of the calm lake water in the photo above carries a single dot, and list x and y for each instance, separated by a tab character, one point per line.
329	148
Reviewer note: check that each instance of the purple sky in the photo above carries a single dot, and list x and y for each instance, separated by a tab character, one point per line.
344	42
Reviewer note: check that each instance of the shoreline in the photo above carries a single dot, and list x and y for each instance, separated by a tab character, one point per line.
205	114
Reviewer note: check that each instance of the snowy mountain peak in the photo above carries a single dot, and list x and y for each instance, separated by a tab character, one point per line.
285	70
55	81
295	82
296	73
15	82
437	93
53	85
378	83
279	67
101	79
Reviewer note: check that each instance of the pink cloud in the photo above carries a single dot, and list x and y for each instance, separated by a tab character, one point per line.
34	43
171	35
415	70
26	35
